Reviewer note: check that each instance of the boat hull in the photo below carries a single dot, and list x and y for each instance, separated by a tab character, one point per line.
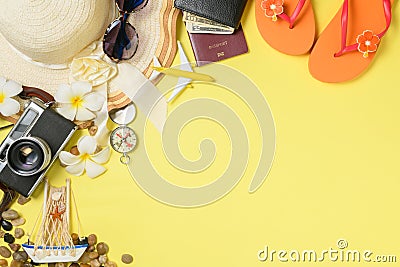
57	254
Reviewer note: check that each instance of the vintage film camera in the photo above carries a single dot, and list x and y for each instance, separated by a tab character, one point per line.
32	145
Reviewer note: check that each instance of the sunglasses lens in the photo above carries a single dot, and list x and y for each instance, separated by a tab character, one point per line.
131	5
120	41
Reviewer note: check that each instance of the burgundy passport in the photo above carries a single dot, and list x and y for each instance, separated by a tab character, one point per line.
215	47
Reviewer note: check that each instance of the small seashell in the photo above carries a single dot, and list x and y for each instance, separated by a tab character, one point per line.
61	207
56	196
93	130
103	259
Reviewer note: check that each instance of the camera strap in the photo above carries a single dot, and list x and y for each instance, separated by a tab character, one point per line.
32	92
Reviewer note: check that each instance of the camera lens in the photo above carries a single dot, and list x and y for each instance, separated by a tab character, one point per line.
28	156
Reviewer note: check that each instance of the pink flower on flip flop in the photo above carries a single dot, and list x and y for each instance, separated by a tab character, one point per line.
272	8
367	43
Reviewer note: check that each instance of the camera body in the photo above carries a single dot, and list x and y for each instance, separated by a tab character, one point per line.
31	146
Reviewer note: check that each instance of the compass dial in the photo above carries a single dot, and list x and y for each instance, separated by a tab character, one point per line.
123	139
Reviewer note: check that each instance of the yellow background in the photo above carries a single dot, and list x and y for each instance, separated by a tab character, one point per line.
335	173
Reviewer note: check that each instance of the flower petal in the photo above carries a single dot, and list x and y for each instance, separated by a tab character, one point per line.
81	88
264	5
269	13
372	48
278	2
83	114
68	111
362	48
2	82
76	169
93	101
12	88
102	157
93	169
278	10
368	34
87	144
361	39
375	40
9	107
63	94
68	159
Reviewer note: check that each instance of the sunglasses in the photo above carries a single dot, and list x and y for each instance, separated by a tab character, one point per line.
121	39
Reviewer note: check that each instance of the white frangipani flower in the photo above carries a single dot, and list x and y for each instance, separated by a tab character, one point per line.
8	89
78	102
87	159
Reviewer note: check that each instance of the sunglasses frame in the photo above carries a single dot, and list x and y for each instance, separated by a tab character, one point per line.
123	17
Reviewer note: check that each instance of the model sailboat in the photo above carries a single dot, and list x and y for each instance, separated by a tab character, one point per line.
54	242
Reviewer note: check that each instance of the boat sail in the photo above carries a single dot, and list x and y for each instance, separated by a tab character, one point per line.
54	242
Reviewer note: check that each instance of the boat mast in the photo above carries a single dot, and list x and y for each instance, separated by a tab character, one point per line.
67	201
45	195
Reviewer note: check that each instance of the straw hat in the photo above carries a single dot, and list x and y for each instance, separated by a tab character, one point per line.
39	38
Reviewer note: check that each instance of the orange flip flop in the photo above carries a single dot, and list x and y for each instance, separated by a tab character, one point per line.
348	44
286	25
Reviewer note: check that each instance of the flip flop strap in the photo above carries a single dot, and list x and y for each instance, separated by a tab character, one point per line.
295	14
387	7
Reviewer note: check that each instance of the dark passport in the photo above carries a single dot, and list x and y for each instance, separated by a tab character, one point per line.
227	12
215	47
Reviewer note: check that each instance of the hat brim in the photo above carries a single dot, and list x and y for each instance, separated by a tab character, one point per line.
155	25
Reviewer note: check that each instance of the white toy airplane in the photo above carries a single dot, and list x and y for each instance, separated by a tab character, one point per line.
155	74
182	81
185	73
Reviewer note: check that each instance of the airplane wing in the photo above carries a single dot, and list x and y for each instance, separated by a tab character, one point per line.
182	82
155	74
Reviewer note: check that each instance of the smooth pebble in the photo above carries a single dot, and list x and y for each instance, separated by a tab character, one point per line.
21	256
110	264
93	255
92	239
14	247
23	200
3	263
10	215
18	222
127	258
75	236
102	248
8	238
84	258
19	232
5	252
95	263
6	225
15	263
